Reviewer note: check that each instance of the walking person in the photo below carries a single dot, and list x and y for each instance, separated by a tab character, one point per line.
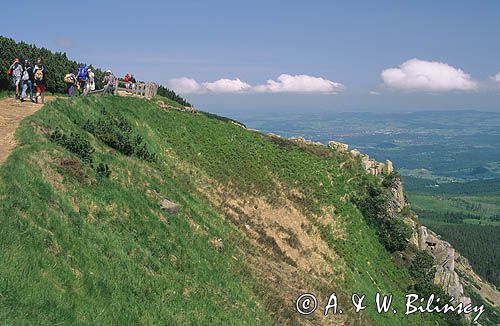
126	79
82	77
40	77
132	82
70	80
91	83
16	72
27	81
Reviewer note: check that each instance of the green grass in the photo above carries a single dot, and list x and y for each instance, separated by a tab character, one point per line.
482	205
4	94
79	248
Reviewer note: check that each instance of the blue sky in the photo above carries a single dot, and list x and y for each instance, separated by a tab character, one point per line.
329	54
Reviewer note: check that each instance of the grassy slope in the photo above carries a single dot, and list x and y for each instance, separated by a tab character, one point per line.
100	251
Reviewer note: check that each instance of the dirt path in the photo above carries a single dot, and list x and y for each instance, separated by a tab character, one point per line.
11	114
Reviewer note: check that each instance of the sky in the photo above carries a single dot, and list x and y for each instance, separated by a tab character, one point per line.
305	55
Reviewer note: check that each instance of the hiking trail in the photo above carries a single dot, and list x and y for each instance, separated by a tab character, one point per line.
11	114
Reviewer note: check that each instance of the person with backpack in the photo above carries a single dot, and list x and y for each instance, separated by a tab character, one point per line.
110	82
16	72
132	81
70	80
40	81
81	78
91	83
126	79
27	80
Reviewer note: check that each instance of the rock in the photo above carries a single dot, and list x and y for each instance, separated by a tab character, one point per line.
217	243
169	207
373	167
297	139
338	146
355	152
302	140
390	167
444	256
398	195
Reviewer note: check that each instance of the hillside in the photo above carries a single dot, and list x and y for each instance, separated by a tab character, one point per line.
262	219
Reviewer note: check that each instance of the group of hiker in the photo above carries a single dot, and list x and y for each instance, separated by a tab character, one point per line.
84	80
130	81
25	77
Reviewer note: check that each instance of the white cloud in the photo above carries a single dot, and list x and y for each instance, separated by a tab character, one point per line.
373	93
227	86
300	84
496	77
420	75
284	83
184	85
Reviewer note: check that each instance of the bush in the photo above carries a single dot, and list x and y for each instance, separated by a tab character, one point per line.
75	144
103	170
422	271
115	131
392	233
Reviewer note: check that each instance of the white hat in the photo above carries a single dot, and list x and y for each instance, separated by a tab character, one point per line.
108	71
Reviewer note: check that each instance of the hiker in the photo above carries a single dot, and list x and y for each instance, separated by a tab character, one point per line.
27	80
126	79
70	80
91	83
40	81
110	82
132	82
82	77
16	72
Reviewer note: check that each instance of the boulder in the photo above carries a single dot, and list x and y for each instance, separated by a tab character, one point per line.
355	152
389	167
341	147
169	207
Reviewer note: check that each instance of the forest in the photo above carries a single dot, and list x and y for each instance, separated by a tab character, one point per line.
482	247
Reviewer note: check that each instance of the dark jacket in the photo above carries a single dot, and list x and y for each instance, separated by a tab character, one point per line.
29	70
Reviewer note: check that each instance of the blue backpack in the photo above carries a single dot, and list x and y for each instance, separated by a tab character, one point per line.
82	73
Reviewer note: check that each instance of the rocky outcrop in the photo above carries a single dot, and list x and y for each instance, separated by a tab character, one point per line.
396	199
305	141
338	146
445	258
373	167
443	254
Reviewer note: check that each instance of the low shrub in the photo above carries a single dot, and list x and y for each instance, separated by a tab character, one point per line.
74	143
103	170
116	131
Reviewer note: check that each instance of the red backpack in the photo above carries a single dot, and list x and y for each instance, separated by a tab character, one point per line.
9	72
